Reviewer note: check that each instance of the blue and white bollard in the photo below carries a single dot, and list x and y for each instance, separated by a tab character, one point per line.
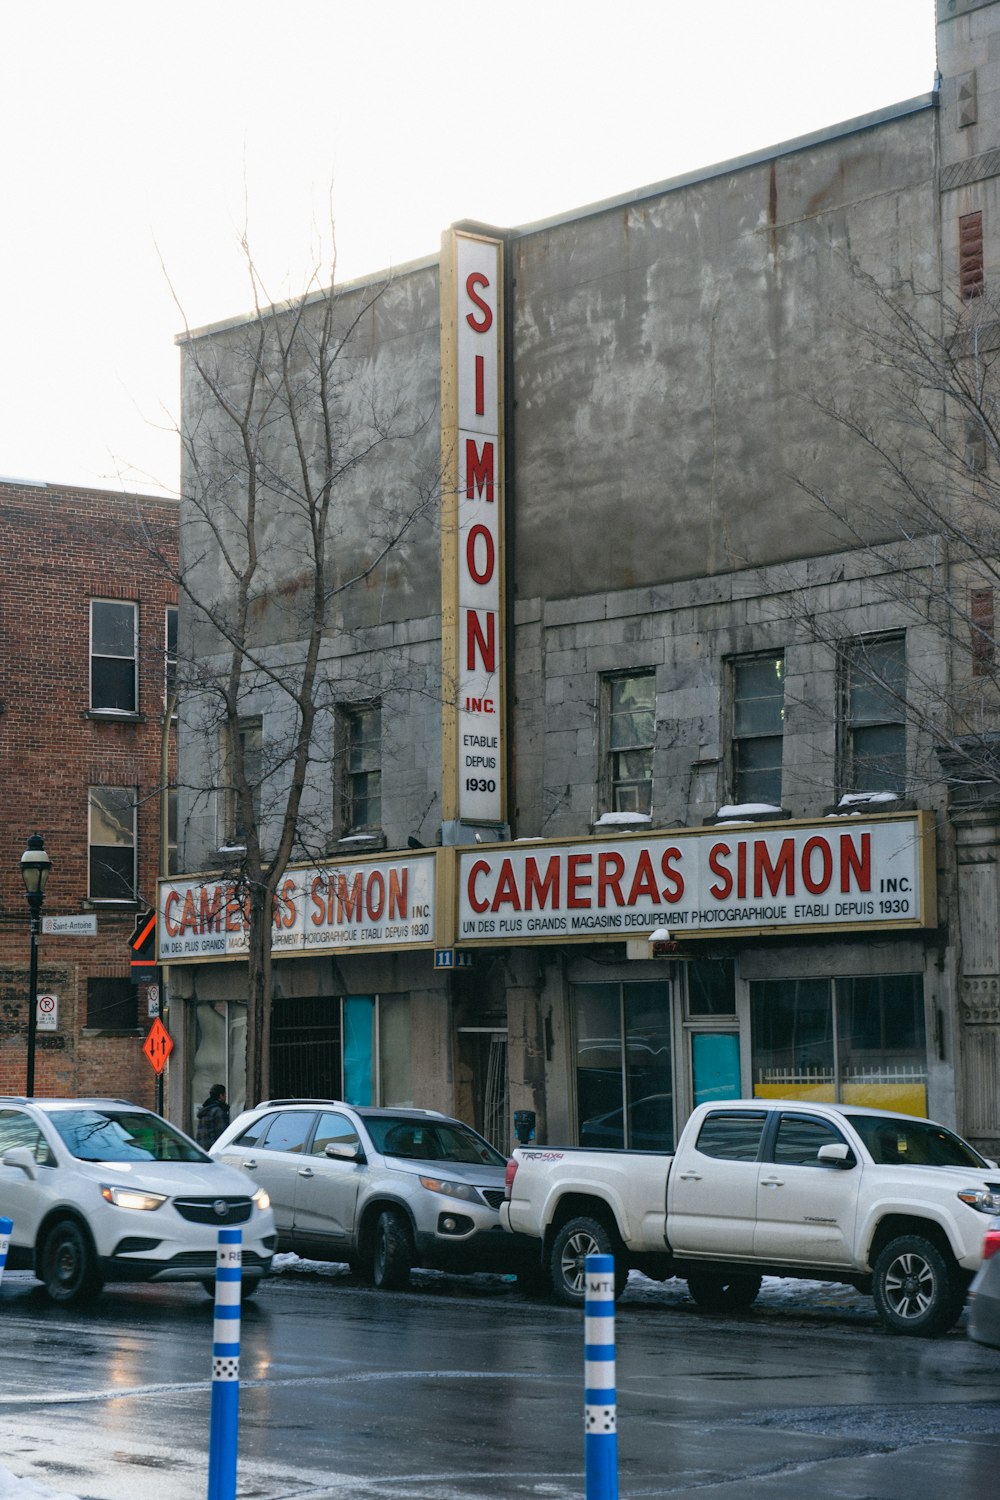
600	1413
222	1447
6	1230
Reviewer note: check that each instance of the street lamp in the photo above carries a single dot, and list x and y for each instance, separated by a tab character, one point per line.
35	867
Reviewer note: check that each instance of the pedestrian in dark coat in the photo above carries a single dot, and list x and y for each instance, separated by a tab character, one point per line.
213	1116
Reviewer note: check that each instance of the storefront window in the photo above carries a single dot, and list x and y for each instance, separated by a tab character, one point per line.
856	1041
624	1069
377	1052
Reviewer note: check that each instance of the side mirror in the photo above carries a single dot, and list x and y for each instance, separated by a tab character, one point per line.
344	1153
23	1157
836	1154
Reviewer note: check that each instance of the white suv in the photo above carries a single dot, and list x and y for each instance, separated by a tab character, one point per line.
102	1190
382	1189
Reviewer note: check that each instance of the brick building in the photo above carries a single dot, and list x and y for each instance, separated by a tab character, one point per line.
88	625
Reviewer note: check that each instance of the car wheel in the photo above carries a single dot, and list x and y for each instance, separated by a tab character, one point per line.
717	1292
917	1289
69	1266
577	1239
393	1251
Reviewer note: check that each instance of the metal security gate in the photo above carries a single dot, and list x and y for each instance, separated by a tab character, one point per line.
306	1057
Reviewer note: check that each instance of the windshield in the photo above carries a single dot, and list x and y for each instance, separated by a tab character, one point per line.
122	1135
913	1143
437	1140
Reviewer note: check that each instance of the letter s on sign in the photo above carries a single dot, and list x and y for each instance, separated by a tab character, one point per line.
473	280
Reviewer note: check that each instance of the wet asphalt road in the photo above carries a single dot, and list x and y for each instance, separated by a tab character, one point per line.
459	1391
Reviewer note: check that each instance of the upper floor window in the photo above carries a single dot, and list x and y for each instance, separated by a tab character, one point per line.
362	783
173	864
111	1004
758	689
875	715
170	656
628	731
111	843
243	793
113	655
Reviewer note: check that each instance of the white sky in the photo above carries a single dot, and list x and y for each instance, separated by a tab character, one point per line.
137	132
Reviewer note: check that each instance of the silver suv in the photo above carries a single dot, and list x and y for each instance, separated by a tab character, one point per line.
382	1189
102	1190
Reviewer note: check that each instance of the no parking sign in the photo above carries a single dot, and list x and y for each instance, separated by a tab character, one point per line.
47	1013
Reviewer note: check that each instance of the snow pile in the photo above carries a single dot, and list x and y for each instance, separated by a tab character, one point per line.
13	1488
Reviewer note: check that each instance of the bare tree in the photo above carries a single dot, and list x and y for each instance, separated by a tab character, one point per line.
922	404
305	476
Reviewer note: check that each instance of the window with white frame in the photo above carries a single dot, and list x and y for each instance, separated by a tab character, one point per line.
628	731
113	657
173	865
170	656
111	843
874	727
758	718
242	809
362	766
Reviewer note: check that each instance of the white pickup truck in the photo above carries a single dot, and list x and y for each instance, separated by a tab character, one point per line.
889	1203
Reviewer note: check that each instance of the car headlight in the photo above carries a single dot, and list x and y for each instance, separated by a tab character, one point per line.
986	1200
262	1198
127	1197
451	1189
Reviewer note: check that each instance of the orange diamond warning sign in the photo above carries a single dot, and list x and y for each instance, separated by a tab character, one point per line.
158	1045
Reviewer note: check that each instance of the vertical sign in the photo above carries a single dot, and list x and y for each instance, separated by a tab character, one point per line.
472	530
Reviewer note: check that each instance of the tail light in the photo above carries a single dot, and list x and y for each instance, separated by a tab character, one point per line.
991	1243
508	1181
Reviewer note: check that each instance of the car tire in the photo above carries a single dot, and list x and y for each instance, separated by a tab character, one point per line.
918	1290
68	1264
716	1291
392	1253
577	1239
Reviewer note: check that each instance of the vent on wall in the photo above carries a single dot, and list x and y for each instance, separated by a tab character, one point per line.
970	255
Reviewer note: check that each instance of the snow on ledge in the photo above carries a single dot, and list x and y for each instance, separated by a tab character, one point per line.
622	817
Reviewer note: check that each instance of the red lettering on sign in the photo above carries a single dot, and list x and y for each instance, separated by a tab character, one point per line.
487	643
479	471
674	888
811	883
480	368
474	280
578	879
783	868
375	895
506	893
644	879
541	890
856	862
349	902
610	869
723	888
478	903
485	573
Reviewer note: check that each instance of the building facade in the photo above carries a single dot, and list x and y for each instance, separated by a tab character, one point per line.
647	757
89	616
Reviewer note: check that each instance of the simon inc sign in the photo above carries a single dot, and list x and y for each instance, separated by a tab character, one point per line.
840	873
844	873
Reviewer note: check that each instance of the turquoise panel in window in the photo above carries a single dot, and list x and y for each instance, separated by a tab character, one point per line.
358	1014
715	1061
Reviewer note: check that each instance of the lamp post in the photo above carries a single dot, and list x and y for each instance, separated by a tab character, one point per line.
35	867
